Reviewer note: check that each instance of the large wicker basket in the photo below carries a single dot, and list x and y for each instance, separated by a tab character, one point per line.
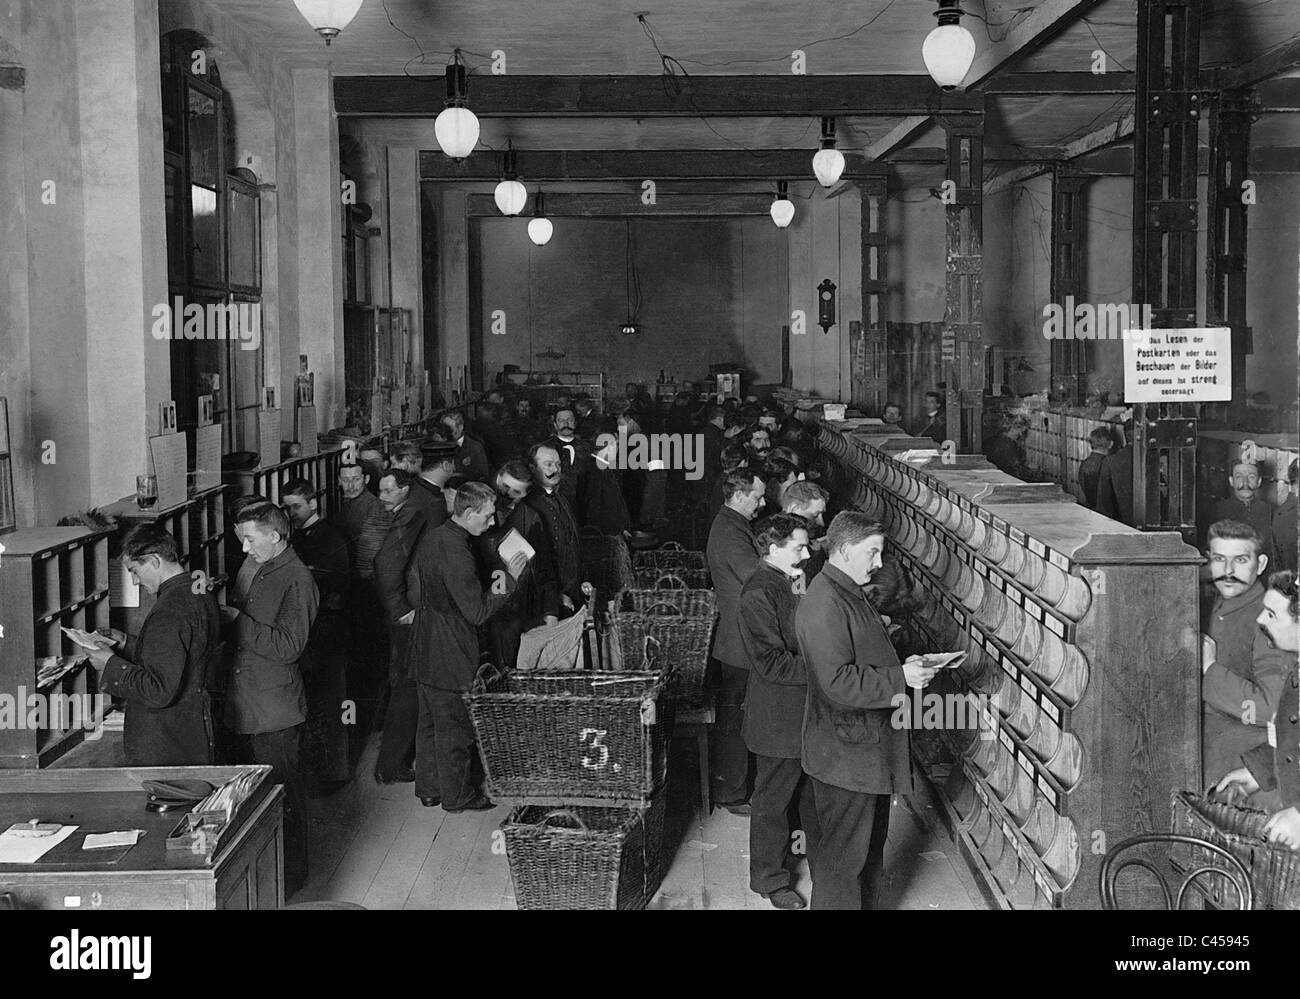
605	561
694	603
679	578
1274	869
666	635
585	858
560	737
670	556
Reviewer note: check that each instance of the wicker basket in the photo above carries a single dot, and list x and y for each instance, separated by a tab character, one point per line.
1274	869
605	562
557	737
585	858
681	578
671	556
661	635
692	603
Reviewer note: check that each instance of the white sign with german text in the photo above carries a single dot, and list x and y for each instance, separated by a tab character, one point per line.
1188	365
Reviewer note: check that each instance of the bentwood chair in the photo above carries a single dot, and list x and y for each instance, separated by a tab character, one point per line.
1219	863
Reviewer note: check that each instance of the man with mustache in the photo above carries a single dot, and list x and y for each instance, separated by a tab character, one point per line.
1247	506
574	457
1275	773
1243	674
561	525
471	457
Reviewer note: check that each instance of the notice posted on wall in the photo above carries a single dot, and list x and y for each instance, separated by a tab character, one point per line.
1187	365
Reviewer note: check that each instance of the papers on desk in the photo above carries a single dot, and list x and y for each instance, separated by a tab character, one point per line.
28	842
918	456
103	841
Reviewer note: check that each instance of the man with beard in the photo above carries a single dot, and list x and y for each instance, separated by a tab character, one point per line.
561	525
732	556
574	457
536	601
399	594
445	647
1243	674
856	759
471	457
1273	774
774	704
1246	506
324	550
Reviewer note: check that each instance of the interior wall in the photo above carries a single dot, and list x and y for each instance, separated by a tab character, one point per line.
1017	277
917	256
712	291
1272	291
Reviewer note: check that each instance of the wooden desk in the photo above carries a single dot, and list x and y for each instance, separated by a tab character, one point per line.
246	872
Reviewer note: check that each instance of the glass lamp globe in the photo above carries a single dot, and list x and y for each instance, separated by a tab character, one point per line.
456	130
948	52
540	230
782	212
328	17
828	164
511	196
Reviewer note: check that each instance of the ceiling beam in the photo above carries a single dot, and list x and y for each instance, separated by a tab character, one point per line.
1044	23
896	136
630	205
1028	84
1279	95
1103	136
1274	62
769	96
1014	176
637	165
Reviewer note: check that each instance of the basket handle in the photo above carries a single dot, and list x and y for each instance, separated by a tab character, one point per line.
487	675
564	813
645	648
663	603
672	546
677	581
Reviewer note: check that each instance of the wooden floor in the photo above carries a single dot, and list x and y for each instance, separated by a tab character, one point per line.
379	847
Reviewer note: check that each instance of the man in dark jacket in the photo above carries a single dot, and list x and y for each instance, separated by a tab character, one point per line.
561	523
471	456
1284	521
732	556
1274	772
536	601
935	424
162	674
266	703
606	509
399	595
324	550
445	647
426	489
1247	506
1244	674
1115	482
774	703
1099	443
575	459
855	756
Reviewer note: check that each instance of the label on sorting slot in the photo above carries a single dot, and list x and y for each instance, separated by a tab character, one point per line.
975	632
992	650
979	567
1006	740
983	515
1053	712
1058	560
1001	524
1027	685
1035	611
1037	547
998	583
963	503
1047	789
1016	534
1025	764
1010	591
1055	625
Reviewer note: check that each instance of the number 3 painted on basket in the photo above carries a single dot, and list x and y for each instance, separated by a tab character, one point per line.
596	735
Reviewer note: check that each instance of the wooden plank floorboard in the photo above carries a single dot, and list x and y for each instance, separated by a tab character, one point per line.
415	841
438	878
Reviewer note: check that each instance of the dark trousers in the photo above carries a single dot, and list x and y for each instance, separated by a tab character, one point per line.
325	737
397	740
778	784
279	750
849	862
729	755
368	664
444	748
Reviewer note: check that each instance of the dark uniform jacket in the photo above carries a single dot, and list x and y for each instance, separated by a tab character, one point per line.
778	682
1115	486
1089	478
1284	535
733	556
472	460
323	549
538	594
161	676
606	508
393	559
854	679
454	602
265	693
364	522
1248	673
935	427
575	466
428	499
562	532
1280	768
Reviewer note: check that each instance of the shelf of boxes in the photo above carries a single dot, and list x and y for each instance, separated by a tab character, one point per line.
1082	661
50	577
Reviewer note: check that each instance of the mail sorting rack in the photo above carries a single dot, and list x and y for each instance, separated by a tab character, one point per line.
1082	634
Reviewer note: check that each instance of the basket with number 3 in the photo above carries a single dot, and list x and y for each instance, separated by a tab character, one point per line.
572	736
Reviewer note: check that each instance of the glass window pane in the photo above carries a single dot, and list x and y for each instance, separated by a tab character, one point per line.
205	151
245	239
206	234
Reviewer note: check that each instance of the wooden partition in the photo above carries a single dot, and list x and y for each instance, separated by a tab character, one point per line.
1083	663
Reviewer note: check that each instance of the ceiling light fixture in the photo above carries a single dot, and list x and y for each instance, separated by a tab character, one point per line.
540	228
828	163
782	210
456	128
511	196
949	49
328	17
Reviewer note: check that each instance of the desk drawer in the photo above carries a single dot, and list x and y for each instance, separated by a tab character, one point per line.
81	893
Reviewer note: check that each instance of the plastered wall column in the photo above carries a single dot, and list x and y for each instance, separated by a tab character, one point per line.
403	235
318	246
